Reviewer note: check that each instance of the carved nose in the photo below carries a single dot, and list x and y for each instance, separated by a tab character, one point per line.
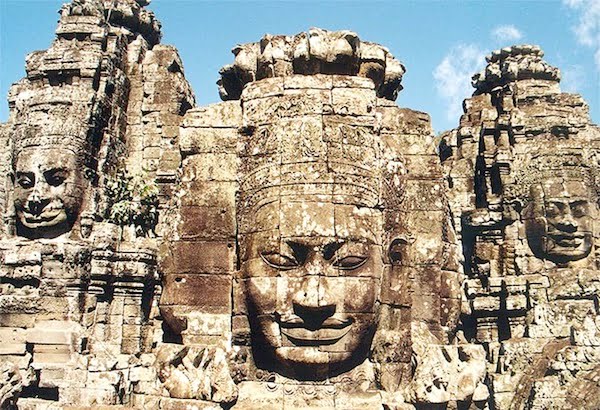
36	204
568	223
311	304
314	316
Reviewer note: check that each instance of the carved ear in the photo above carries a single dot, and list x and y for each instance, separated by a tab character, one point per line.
397	251
91	175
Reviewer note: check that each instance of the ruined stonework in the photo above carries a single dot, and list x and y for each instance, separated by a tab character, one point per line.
319	205
302	244
90	160
523	172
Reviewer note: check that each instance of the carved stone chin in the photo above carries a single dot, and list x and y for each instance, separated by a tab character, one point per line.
48	191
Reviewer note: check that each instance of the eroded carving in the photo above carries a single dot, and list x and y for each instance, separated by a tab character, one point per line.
325	259
523	168
313	52
345	268
49	186
559	219
77	286
301	230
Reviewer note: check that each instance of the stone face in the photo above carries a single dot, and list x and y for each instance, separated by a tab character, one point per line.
333	244
523	166
300	245
49	185
79	271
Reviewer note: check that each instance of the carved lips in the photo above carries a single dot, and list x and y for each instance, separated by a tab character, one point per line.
567	240
48	216
327	333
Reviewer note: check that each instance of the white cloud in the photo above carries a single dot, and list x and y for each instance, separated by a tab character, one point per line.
453	76
573	78
507	33
587	29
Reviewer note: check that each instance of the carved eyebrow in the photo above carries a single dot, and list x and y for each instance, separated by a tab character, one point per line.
579	202
557	202
299	250
55	170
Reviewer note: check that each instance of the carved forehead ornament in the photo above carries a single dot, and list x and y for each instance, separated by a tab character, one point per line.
566	165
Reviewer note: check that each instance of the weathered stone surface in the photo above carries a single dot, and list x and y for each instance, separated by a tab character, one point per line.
11	384
78	277
312	166
300	245
525	192
314	52
195	373
450	373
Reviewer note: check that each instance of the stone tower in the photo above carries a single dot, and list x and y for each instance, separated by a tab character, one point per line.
523	168
302	244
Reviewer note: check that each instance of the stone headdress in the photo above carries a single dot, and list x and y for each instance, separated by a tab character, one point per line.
334	135
65	126
564	163
314	52
314	135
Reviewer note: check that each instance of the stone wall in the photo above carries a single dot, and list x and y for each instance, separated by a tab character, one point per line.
79	282
302	244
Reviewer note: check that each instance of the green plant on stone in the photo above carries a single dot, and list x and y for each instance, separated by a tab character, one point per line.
132	201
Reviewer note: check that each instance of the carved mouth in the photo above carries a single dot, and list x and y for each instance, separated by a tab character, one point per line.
45	217
567	240
327	333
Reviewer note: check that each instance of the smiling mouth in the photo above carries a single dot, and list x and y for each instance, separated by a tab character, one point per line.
44	217
567	240
327	333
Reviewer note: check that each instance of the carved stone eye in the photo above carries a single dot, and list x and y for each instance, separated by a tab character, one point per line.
55	177
350	262
553	210
278	261
25	181
55	180
579	209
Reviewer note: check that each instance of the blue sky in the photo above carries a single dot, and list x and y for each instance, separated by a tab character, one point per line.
442	43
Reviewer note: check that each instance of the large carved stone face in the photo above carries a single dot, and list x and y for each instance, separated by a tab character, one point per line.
562	222
48	191
312	281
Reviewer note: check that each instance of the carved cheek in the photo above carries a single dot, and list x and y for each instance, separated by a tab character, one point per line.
21	197
537	227
551	225
262	296
584	223
262	293
285	293
70	190
360	295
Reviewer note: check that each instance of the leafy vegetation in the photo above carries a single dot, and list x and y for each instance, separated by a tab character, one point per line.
132	201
